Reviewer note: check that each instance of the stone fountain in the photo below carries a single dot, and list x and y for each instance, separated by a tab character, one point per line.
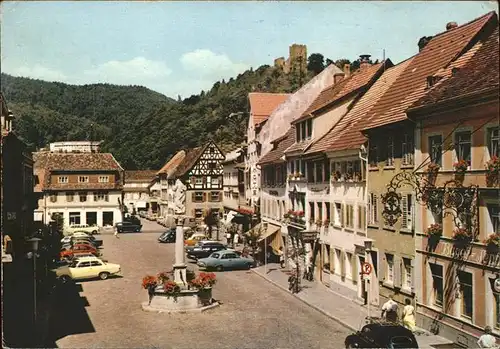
188	300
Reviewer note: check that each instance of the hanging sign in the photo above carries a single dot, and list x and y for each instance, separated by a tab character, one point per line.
496	285
366	268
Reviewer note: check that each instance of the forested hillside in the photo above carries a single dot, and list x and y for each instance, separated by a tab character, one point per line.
142	128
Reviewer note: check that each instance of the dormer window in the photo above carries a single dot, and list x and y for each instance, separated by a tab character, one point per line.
432	80
304	130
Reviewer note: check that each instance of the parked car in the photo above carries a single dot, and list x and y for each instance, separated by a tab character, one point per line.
193	239
225	260
381	335
132	219
127	227
167	236
79	249
87	268
81	237
204	250
85	228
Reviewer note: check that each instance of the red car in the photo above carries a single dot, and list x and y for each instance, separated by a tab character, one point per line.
79	249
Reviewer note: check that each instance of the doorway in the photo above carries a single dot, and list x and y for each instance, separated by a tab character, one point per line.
107	218
91	218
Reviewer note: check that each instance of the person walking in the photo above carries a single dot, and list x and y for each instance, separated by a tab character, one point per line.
409	315
390	310
282	258
116	234
487	340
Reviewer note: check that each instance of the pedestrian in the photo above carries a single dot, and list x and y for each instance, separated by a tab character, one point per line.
390	310
487	340
282	257
235	240
116	234
228	238
409	315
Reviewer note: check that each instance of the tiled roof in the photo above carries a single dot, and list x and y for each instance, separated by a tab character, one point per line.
411	84
172	164
479	73
139	176
345	88
263	104
188	161
81	162
346	133
282	144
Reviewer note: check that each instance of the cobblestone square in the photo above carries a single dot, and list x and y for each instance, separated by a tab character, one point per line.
253	314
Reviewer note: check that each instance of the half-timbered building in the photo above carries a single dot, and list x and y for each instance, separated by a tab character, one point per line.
201	173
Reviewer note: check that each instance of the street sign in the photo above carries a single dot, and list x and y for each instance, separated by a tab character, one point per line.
496	285
366	268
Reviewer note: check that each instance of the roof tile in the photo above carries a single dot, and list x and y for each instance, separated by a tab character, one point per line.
172	164
263	104
141	175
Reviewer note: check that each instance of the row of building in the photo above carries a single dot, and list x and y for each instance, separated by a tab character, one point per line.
392	165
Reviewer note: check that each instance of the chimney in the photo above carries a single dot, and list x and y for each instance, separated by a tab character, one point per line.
338	77
451	25
364	62
424	40
347	70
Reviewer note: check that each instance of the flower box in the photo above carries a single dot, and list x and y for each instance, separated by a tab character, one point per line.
461	237
433	168
461	166
492	243
434	233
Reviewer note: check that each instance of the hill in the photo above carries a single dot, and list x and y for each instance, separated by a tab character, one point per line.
141	127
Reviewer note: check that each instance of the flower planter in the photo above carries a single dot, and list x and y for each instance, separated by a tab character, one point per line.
492	248
205	296
433	239
461	243
492	178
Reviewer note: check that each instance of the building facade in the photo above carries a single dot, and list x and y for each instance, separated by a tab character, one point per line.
166	184
136	190
234	180
457	145
85	188
76	146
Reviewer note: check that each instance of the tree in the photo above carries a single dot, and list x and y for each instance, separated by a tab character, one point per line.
253	236
328	62
341	62
316	63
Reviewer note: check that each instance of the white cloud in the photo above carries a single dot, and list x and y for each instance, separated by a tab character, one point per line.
137	71
208	64
38	72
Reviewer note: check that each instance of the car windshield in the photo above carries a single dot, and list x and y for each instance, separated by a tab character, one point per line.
214	255
73	264
401	342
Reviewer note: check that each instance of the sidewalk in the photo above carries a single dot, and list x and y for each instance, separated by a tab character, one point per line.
335	305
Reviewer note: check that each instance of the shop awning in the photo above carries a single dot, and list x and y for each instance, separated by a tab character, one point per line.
271	229
272	236
141	204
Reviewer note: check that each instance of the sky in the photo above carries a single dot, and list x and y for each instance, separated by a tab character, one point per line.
181	48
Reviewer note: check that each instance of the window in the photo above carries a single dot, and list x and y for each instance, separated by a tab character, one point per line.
74	218
95	263
349	216
361	217
493	141
319	171
103	179
466	293
198	213
496	298
407	274
463	145
338	214
62	179
389	273
53	197
436	149
69	196
311	212
101	196
373	156
214	196
83	179
309	123
407	212
198	180
84	265
320	211
407	149
437	284
304	130
327	207
494	211
198	196
389	161
337	267
373	218
215	181
292	166
310	172
83	196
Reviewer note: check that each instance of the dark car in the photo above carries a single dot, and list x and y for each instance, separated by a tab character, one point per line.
167	236
133	220
382	335
204	250
128	227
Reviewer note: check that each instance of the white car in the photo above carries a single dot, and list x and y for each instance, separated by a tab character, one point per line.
68	238
89	229
87	268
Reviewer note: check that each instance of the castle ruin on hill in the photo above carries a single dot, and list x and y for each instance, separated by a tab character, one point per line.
296	62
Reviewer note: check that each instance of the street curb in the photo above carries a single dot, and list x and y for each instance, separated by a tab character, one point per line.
333	317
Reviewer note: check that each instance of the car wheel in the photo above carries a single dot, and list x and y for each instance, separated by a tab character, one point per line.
352	345
65	278
103	275
249	266
219	268
94	232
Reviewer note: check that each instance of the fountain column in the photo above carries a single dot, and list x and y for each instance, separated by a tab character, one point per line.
180	264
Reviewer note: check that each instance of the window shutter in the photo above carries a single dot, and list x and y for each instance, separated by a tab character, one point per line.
193	196
404	210
192	180
208	197
397	271
382	267
409	213
354	268
342	215
204	197
342	263
375	208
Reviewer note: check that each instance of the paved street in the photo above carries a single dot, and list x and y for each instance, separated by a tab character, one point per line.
254	313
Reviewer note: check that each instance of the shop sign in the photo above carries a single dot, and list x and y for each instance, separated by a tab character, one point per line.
496	285
309	235
448	250
273	192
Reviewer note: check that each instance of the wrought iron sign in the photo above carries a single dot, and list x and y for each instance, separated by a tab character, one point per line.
451	199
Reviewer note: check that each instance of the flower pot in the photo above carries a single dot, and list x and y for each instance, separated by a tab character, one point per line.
434	239
492	248
461	243
492	179
205	296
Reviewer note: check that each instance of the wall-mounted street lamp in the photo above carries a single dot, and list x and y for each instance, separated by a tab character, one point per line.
34	249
